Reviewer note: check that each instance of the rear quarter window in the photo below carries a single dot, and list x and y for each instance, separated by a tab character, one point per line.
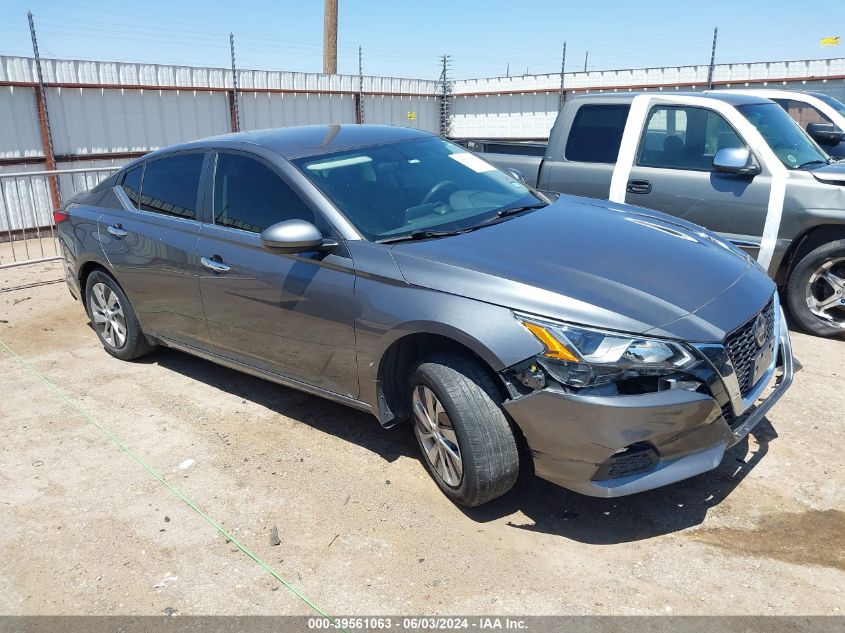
596	133
131	185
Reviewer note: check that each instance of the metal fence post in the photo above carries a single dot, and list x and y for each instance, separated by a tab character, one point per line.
445	97
44	119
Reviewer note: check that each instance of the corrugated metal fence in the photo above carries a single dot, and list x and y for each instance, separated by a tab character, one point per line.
526	106
105	113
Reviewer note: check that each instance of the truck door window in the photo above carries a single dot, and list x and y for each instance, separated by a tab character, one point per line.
803	113
677	137
597	133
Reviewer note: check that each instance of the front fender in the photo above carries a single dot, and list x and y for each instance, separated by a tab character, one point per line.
389	311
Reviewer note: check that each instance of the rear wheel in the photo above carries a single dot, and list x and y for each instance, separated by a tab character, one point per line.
816	290
114	319
466	441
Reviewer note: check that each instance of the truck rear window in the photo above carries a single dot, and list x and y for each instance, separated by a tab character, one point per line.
596	133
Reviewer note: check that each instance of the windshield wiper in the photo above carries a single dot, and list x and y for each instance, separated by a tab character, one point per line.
424	235
420	235
503	213
815	161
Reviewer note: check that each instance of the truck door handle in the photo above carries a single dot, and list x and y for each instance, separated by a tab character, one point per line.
117	230
639	186
214	263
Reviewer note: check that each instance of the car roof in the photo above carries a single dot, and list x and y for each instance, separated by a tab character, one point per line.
735	99
308	140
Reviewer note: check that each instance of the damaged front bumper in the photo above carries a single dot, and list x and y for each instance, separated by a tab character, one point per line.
588	443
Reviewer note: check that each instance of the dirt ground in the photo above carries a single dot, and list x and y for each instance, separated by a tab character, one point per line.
87	530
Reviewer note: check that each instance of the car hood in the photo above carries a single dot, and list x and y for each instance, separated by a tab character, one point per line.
833	174
595	263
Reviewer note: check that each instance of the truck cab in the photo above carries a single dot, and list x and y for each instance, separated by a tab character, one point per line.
734	163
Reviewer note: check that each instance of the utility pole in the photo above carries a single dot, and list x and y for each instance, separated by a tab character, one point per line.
359	106
712	60
329	37
562	70
44	120
233	96
444	97
586	59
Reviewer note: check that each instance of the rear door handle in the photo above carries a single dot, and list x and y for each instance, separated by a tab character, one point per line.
213	263
639	186
117	230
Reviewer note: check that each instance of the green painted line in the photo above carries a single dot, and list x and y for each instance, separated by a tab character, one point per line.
166	483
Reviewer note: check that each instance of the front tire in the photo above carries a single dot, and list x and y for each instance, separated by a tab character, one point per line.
113	318
467	444
816	290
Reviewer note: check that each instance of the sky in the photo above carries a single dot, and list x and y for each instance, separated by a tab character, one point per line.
405	38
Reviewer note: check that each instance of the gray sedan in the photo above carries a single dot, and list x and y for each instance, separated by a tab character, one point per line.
618	349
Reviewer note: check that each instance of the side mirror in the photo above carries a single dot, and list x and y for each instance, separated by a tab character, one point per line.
735	160
825	133
295	236
515	174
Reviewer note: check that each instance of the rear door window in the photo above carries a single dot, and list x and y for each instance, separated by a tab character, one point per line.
250	196
132	185
596	133
170	185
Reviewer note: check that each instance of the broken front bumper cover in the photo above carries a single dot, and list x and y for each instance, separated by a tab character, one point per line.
572	436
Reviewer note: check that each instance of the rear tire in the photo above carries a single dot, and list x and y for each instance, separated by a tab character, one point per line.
816	292
113	318
467	444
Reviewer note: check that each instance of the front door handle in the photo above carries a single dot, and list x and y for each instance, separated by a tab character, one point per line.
214	263
117	230
639	186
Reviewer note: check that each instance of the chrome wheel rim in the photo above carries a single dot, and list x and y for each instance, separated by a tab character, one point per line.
437	437
108	316
825	292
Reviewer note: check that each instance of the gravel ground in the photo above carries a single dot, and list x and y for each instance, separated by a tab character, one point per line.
358	526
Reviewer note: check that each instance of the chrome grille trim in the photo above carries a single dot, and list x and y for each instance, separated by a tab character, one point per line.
742	349
718	357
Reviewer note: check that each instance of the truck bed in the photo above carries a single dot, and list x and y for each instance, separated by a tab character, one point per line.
524	156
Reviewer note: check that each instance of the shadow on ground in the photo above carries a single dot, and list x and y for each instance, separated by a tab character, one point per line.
549	509
341	421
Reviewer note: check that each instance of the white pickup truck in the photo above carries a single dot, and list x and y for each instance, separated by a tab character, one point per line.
820	114
734	163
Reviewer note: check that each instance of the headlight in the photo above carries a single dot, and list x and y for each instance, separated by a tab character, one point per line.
583	356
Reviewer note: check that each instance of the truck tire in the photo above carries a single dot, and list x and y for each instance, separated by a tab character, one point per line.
113	318
466	441
816	290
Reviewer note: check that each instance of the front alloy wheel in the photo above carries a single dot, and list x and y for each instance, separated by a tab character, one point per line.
437	437
466	442
108	316
815	290
825	292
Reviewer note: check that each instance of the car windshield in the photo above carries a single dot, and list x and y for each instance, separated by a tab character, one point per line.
836	104
415	187
786	138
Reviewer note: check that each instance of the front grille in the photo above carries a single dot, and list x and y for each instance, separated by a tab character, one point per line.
742	349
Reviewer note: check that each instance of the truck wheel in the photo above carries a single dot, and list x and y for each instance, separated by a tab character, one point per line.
114	319
466	441
816	290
